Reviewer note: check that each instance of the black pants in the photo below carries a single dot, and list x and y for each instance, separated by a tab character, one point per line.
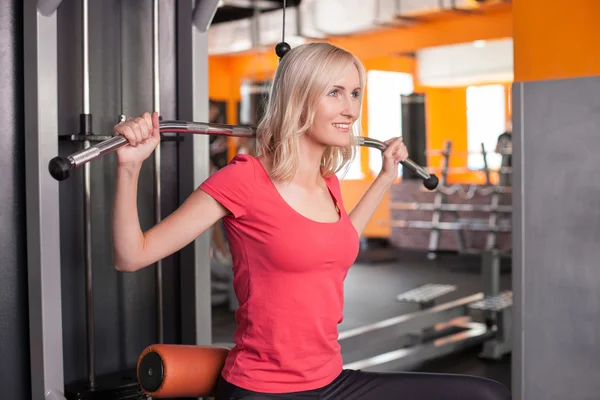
358	385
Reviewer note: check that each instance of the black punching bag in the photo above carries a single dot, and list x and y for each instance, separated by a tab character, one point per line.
15	380
254	99
414	130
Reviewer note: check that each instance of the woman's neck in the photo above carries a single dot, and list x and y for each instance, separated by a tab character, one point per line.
309	163
308	173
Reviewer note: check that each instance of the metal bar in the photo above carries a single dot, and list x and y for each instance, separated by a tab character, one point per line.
40	77
439	199
462	170
490	272
403	359
157	165
414	206
431	180
155	58
486	169
60	167
407	323
249	4
255	28
448	226
492	222
121	117
458	189
439	152
86	57
87	199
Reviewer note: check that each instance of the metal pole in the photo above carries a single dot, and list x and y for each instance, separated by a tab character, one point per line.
157	165
85	128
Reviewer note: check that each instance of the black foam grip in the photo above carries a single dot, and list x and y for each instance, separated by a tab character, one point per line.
60	168
431	182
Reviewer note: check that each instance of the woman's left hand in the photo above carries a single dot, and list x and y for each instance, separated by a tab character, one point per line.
395	152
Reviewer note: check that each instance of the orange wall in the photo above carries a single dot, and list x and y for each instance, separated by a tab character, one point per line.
435	30
446	110
544	48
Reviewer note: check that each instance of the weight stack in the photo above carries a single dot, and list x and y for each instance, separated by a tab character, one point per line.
254	96
119	386
414	130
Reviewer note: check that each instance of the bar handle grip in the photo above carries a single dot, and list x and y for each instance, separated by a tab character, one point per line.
60	167
430	181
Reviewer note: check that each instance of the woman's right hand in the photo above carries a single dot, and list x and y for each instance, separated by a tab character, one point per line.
143	135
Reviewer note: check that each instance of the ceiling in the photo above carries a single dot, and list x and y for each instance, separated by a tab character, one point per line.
236	29
233	10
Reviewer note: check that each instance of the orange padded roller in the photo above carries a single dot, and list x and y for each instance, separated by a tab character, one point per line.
173	370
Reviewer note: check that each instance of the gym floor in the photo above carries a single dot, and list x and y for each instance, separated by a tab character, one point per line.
371	290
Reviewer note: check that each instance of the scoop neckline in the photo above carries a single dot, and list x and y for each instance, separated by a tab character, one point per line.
292	209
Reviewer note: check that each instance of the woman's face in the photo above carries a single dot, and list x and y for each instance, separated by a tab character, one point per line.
337	110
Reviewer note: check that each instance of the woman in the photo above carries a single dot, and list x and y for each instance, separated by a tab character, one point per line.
290	237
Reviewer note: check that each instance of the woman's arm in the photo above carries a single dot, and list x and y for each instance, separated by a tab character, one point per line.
364	210
134	249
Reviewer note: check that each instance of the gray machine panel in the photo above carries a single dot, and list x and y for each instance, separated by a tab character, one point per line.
194	164
42	201
556	237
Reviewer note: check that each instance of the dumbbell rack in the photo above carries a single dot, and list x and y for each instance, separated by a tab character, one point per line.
440	206
439	199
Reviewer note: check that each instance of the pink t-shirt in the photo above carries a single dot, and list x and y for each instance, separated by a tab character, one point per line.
288	276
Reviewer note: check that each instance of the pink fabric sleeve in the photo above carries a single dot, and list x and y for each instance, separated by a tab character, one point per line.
233	185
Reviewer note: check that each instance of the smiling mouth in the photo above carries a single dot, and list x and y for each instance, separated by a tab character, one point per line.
342	127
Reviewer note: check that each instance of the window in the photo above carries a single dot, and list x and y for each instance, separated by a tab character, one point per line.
384	92
486	120
352	171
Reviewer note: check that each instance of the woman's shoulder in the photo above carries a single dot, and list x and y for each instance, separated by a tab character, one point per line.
241	164
234	185
243	159
240	170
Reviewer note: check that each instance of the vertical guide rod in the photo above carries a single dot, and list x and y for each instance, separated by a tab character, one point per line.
87	206
157	165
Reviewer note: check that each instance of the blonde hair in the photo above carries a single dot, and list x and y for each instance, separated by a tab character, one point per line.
303	76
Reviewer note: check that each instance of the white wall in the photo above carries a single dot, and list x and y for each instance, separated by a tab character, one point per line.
466	64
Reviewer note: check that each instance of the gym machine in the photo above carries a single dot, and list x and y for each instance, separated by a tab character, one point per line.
41	88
